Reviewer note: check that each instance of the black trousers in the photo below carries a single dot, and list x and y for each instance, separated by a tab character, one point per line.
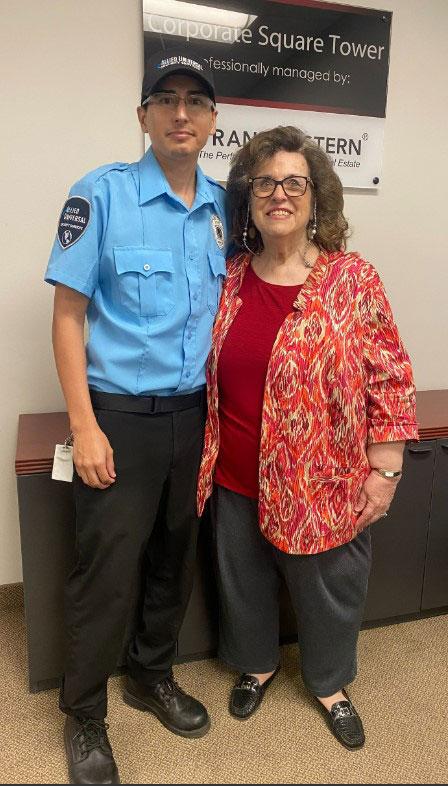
327	590
140	533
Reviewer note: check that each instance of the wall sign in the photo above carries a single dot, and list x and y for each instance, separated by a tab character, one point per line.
320	66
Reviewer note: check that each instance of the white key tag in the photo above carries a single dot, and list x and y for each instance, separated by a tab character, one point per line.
63	461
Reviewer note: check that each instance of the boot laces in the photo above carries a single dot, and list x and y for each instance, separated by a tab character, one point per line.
92	734
170	687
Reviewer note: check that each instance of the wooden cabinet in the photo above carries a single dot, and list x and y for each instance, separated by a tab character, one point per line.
47	532
410	548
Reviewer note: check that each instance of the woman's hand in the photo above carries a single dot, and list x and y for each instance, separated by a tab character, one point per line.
376	495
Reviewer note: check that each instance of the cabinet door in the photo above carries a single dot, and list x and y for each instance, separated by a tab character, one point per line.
399	541
47	530
435	585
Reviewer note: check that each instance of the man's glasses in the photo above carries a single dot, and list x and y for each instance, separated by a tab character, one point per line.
293	186
195	103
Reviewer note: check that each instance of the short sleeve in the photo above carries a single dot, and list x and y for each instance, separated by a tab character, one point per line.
76	252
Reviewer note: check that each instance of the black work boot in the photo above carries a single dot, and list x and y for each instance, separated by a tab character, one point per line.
180	713
89	755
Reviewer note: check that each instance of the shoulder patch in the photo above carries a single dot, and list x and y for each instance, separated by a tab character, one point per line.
74	220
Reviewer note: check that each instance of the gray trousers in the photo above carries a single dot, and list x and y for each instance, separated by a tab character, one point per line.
327	590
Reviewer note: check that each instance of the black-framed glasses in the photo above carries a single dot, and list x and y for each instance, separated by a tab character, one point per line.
195	103
293	185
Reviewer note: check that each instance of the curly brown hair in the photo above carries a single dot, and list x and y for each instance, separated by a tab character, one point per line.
332	227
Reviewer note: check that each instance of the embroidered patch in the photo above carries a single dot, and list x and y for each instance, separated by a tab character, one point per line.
218	230
74	221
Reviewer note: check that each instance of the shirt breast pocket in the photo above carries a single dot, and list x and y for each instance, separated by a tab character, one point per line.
216	274
145	279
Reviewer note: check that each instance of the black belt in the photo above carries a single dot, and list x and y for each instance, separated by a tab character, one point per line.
146	405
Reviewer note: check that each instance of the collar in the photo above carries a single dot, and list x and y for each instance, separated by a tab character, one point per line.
204	189
153	183
313	282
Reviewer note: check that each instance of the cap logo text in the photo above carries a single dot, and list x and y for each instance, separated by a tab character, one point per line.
180	60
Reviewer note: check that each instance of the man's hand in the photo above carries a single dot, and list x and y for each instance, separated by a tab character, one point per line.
93	458
376	495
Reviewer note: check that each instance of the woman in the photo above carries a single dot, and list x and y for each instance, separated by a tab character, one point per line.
311	399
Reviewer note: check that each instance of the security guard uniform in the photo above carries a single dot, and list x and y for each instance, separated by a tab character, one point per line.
153	271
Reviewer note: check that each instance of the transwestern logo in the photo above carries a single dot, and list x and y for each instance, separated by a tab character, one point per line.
333	145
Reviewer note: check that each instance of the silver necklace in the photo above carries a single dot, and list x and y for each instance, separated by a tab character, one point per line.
305	261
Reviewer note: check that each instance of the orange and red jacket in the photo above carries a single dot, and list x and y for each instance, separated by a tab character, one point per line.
338	380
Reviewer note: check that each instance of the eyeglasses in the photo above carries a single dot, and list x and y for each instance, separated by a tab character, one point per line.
293	185
195	103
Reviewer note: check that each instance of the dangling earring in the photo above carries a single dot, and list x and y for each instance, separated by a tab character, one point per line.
251	232
312	230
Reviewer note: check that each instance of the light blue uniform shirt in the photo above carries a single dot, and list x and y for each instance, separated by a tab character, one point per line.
153	271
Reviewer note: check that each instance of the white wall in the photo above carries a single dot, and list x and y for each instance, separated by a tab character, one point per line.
71	78
71	75
402	228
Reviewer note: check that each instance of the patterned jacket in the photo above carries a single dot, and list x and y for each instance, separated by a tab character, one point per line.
338	379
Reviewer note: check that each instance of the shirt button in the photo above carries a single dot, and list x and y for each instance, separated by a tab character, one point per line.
187	374
191	255
146	267
189	335
195	296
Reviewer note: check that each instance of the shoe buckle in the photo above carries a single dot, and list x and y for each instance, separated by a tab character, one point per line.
248	683
341	710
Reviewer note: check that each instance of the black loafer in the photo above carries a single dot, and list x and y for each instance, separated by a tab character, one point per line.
180	713
345	724
247	695
89	755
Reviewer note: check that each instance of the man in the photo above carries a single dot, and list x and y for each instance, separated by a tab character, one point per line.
140	251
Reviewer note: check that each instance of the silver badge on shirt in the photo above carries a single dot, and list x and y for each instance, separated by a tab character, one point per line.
218	230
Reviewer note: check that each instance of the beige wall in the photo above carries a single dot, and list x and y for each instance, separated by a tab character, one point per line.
71	74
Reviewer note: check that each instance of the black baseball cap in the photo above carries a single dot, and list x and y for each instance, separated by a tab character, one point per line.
180	60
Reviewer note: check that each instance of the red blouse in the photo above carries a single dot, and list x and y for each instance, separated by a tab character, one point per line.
242	368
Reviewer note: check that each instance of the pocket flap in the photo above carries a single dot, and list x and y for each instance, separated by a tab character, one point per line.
217	263
142	259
